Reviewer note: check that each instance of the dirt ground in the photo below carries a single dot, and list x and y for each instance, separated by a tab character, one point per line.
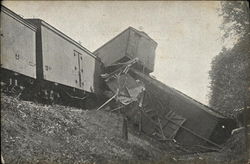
37	133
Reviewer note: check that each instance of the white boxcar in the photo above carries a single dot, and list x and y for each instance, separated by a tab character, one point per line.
130	43
18	44
64	61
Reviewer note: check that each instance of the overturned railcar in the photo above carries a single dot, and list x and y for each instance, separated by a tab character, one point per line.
129	44
181	118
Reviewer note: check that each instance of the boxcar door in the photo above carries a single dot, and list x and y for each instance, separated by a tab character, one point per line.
79	69
81	75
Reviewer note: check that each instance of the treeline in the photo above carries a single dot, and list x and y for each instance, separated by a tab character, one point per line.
230	77
230	70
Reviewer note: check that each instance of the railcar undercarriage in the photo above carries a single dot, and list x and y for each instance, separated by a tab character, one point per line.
26	88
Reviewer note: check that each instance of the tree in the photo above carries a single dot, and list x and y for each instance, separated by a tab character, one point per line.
230	77
235	16
230	69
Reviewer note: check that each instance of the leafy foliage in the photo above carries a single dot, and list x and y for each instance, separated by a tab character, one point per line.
230	77
235	18
230	71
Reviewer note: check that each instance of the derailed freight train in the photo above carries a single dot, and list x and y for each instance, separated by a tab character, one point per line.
157	109
38	58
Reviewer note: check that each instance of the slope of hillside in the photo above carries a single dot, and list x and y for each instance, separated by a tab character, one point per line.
34	132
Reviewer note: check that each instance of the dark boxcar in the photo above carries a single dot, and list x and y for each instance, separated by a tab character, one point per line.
194	123
18	45
62	60
131	43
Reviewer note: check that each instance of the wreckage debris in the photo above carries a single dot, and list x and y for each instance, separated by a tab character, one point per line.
158	110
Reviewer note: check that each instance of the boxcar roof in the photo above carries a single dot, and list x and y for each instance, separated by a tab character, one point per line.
58	32
145	35
18	18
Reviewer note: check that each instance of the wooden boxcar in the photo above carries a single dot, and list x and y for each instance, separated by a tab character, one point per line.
183	118
129	44
18	44
62	60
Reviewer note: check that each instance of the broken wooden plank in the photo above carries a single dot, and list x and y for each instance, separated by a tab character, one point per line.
162	133
108	100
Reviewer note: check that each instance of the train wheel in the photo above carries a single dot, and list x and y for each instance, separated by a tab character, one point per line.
12	87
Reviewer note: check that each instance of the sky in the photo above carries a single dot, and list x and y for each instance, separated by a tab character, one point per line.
187	33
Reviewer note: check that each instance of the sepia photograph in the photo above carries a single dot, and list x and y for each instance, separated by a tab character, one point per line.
125	82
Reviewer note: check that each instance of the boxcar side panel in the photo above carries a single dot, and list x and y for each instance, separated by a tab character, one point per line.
113	50
18	51
64	62
143	48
